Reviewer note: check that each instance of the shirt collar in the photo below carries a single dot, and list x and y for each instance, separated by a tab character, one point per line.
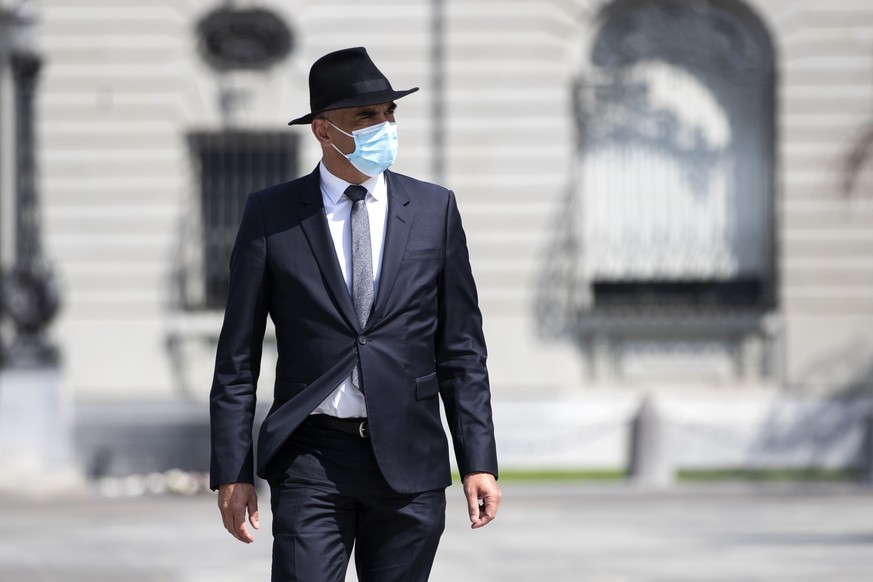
334	188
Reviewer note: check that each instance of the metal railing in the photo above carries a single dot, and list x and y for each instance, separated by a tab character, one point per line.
229	166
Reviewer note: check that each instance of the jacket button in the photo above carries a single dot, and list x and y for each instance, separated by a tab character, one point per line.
362	340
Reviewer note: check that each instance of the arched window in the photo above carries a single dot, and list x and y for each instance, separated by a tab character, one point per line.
669	216
675	186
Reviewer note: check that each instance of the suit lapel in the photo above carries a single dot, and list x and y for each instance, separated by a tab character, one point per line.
314	225
397	229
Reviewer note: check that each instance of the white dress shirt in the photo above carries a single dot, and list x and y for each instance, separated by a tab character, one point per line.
346	401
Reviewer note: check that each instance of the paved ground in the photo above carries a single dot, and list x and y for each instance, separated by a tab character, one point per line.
543	534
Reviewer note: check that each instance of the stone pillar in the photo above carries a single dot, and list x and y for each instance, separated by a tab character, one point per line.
650	459
30	296
34	413
867	460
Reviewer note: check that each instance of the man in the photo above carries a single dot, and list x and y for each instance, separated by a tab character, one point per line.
366	277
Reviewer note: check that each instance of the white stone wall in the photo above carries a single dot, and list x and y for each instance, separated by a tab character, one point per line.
124	85
119	90
824	98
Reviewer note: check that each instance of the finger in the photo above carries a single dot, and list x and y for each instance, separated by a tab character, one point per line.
481	519
491	503
234	517
253	512
226	515
473	506
230	524
227	520
487	512
240	531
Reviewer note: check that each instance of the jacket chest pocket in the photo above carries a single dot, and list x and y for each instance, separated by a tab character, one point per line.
422	254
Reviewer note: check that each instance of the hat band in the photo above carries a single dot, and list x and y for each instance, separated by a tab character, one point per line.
372	85
357	89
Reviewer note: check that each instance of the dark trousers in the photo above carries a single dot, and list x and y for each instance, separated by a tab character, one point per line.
328	495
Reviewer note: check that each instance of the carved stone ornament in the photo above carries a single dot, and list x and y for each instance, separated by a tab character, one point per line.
31	298
251	38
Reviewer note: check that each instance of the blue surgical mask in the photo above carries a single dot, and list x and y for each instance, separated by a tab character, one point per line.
375	148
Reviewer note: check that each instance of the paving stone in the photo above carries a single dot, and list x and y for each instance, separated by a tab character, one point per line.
614	533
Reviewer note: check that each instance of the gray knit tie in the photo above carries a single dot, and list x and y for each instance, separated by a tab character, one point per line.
362	263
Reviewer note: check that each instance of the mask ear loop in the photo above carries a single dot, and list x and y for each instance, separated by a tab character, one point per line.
346	156
338	129
344	133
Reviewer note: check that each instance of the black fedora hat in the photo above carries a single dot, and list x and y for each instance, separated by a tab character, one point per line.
346	78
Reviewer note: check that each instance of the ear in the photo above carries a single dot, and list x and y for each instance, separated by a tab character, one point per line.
319	130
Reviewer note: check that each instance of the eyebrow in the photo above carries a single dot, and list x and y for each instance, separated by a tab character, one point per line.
373	111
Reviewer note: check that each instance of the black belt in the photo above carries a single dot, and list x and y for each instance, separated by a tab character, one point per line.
355	426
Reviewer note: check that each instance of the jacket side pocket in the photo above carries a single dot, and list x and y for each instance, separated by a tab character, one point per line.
426	386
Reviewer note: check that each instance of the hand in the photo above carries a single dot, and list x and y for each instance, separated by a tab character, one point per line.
483	497
233	501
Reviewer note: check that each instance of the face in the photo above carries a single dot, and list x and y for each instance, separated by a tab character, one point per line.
349	120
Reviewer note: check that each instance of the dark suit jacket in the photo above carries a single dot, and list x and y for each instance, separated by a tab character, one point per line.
423	340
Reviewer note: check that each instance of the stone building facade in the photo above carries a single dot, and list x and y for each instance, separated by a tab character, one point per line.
653	191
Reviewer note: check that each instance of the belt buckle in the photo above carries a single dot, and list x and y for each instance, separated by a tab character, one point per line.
363	430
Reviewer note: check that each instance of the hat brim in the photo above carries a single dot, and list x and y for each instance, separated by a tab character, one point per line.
356	101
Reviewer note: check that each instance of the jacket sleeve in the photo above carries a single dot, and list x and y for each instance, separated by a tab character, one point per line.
238	357
461	356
